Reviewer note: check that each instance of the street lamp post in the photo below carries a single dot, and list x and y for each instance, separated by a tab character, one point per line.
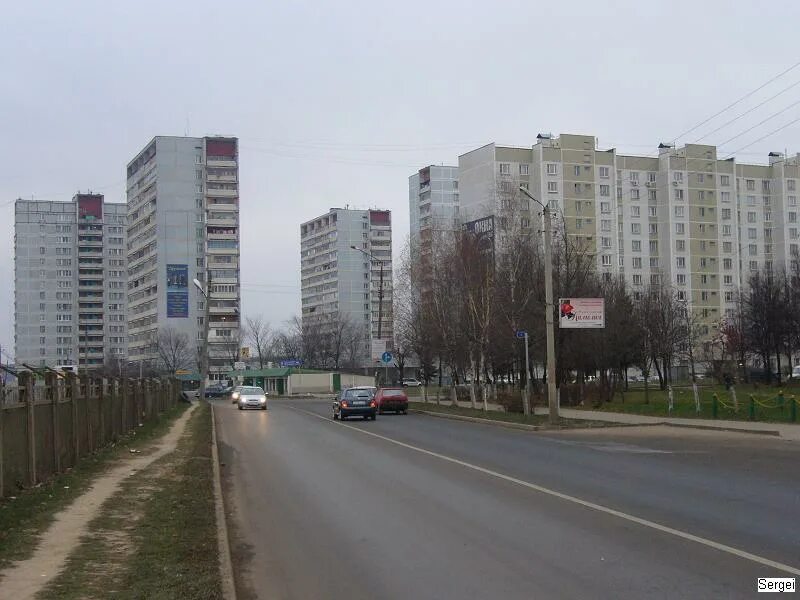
552	401
380	297
204	351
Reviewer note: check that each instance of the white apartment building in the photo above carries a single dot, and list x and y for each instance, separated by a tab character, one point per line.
433	201
338	281
69	282
183	224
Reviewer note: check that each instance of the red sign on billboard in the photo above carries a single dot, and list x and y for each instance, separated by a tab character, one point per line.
90	207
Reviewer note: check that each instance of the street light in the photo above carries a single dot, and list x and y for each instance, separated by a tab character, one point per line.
204	351
380	297
552	401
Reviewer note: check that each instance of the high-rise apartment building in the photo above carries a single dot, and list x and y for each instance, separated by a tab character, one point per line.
183	224
69	282
684	217
433	201
339	282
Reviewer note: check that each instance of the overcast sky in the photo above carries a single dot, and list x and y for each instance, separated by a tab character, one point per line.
338	103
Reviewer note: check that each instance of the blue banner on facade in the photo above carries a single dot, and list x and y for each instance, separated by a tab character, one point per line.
177	291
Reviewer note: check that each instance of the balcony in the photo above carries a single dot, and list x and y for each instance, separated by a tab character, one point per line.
220	161
221	178
231	221
221	193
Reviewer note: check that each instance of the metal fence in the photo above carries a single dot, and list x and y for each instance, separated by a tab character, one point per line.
47	427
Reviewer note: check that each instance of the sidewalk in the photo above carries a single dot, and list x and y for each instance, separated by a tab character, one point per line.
784	430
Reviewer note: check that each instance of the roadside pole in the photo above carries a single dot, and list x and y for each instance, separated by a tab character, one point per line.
526	396
552	400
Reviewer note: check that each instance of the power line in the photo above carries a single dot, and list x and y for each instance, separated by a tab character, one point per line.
762	86
769	118
747	112
765	136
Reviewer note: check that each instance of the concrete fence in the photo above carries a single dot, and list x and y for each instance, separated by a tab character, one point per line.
47	427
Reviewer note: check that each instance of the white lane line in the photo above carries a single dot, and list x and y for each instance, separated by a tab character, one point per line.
585	503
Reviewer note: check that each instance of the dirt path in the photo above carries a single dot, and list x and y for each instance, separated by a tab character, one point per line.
26	578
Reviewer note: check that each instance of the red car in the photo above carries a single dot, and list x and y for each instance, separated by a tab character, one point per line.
392	399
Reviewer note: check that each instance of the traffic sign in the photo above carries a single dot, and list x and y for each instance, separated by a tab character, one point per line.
291	363
521	334
386	357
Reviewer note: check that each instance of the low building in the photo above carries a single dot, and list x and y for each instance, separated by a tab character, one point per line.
294	382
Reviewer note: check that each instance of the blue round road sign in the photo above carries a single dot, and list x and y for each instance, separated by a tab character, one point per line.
386	357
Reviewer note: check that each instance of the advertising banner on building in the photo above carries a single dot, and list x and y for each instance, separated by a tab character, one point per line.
483	230
581	313
177	291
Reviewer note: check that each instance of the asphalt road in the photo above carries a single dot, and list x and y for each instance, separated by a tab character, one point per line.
436	508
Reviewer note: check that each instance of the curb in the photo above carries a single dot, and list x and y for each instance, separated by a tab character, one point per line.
225	562
770	432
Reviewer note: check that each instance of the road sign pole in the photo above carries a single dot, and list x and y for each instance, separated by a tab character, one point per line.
552	400
526	405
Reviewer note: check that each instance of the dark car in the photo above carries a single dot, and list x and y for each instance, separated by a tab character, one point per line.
355	402
392	399
216	391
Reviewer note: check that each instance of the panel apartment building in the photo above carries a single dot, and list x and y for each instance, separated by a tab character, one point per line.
183	223
685	217
338	281
69	282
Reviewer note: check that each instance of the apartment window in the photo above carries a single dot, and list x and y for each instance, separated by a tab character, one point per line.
653	228
680	228
605	225
635	194
790	185
654	262
680	279
635	176
655	279
552	168
505	169
793	249
752	233
751	201
678	176
678	211
725	180
619	193
725	196
577	170
750	184
792	217
727	246
636	228
605	207
680	245
704	296
727	279
605	190
765	186
701	195
704	279
700	178
552	187
793	233
751	217
634	211
651	177
768	216
606	260
726	214
703	245
621	261
605	242
678	194
604	172
680	262
526	223
792	200
636	245
727	263
726	230
768	233
701	211
752	249
578	223
523	169
637	280
652	211
651	195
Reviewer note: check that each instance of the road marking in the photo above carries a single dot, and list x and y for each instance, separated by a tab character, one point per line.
585	503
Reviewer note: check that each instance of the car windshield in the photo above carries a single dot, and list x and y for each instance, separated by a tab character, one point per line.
251	391
393	393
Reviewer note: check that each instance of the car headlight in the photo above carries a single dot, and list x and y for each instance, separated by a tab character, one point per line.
235	395
263	399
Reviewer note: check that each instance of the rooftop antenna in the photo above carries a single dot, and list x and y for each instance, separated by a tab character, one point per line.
186	131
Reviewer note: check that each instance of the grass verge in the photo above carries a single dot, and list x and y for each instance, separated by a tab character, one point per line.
768	407
506	417
157	536
24	517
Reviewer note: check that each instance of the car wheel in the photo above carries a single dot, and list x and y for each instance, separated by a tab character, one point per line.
263	408
373	417
335	416
405	411
240	408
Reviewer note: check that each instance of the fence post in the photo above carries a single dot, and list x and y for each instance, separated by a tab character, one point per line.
26	382
696	397
101	400
51	380
86	387
792	411
139	403
781	401
72	381
735	400
752	407
671	399
123	384
714	406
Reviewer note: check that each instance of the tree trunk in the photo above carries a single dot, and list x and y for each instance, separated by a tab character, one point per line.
472	395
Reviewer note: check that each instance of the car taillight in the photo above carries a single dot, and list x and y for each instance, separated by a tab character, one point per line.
373	404
344	403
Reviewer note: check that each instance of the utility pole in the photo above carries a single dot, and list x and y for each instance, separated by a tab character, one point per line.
527	406
204	351
552	400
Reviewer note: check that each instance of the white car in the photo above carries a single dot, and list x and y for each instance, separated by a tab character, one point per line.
411	383
252	397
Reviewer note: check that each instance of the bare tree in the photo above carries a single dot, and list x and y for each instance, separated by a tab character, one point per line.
175	352
260	334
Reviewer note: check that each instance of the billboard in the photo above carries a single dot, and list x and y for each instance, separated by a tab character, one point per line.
581	313
90	207
177	291
483	230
